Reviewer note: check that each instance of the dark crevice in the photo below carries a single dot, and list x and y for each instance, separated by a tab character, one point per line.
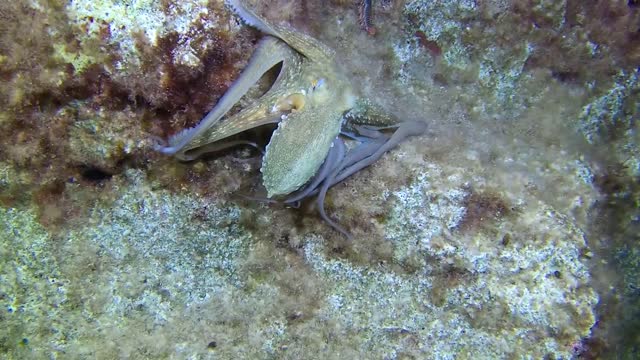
566	76
94	174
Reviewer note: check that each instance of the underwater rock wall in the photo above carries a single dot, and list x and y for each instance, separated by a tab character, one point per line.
489	232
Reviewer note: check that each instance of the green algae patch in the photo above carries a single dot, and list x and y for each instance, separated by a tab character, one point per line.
81	59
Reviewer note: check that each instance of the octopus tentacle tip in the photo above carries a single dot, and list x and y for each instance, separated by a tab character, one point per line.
162	146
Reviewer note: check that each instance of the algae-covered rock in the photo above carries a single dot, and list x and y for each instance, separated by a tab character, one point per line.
474	240
481	270
103	139
123	23
33	289
611	118
148	265
134	263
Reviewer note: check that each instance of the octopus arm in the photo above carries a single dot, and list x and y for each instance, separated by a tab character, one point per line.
304	44
339	165
269	53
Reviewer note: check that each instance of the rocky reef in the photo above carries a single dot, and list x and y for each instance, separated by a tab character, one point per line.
509	230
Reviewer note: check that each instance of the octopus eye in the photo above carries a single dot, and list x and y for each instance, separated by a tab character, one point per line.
293	102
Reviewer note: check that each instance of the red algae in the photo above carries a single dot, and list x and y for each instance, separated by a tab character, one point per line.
61	117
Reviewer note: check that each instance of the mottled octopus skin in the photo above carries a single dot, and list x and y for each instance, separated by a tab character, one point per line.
309	101
303	137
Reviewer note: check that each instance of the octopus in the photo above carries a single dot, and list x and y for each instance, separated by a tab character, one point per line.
315	109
